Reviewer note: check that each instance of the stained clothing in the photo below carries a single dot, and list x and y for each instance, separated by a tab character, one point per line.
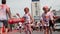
3	14
46	17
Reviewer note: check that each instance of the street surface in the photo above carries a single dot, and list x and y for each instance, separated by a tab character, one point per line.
34	32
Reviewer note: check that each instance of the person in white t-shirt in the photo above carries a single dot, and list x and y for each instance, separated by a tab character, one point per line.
4	13
46	16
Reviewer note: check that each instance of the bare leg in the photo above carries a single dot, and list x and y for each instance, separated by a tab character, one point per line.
6	30
29	28
46	30
50	31
0	30
26	32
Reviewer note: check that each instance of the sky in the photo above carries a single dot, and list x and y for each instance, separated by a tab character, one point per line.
55	4
17	6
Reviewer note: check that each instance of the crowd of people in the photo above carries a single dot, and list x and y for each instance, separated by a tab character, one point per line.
46	20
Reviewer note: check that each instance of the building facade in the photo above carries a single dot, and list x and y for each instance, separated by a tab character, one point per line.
35	9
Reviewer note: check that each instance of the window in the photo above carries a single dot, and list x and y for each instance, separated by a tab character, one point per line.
36	12
36	5
36	9
35	0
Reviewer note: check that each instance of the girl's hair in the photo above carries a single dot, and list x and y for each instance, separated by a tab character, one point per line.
26	8
3	1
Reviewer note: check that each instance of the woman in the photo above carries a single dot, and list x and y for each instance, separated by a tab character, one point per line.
28	21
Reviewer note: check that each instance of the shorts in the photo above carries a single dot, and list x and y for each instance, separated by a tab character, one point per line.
44	27
20	27
4	22
41	27
26	23
46	24
1	24
51	24
37	27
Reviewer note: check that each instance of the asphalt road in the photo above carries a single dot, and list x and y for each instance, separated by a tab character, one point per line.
34	32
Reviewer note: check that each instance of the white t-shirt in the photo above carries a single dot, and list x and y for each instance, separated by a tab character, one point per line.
46	17
3	15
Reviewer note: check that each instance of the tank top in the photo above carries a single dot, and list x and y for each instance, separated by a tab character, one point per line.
27	17
3	15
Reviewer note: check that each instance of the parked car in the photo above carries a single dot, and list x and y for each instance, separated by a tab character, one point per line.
57	25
